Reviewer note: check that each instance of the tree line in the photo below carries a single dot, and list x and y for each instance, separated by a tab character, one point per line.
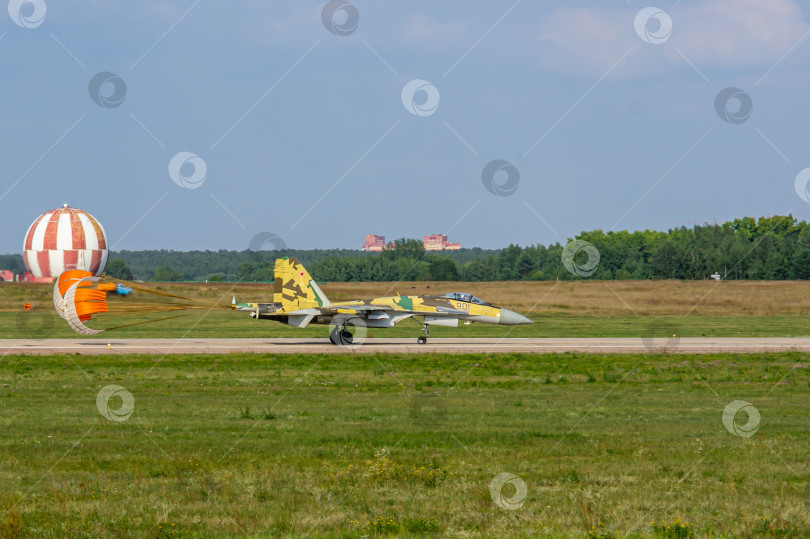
775	248
257	266
766	248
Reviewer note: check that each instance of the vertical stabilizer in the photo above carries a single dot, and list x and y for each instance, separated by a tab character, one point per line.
294	288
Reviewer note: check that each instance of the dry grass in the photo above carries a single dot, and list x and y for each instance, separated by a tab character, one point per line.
656	298
561	309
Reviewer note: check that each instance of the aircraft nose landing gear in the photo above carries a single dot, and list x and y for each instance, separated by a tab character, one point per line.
423	339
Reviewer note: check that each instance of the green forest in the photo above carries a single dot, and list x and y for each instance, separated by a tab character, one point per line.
766	248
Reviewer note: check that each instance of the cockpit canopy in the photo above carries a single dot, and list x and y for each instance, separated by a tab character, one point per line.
461	296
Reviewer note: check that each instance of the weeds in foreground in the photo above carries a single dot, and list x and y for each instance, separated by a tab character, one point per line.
600	532
382	468
675	529
387	524
779	527
12	525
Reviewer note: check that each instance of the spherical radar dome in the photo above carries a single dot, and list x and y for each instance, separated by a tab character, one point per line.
63	239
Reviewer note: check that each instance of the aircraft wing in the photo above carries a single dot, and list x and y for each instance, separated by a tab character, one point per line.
371	308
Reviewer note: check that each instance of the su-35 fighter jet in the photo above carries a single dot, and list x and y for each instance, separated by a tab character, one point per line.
299	301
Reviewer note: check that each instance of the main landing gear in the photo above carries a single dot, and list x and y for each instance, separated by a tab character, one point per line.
341	336
423	338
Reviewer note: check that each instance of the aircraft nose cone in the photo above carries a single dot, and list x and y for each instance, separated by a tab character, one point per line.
511	318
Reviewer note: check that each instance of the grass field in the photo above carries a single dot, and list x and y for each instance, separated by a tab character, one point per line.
391	445
564	309
257	445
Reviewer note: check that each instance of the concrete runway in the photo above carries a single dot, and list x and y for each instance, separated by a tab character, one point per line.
401	346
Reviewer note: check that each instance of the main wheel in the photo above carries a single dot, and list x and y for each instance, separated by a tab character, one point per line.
421	339
346	337
334	336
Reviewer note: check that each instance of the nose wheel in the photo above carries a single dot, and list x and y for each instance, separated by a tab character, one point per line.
422	339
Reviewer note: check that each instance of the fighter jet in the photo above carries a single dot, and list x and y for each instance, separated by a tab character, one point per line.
299	301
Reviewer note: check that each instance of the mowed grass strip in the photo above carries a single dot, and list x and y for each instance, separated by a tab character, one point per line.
312	445
46	324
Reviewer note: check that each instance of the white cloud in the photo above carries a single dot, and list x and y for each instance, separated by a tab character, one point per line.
427	32
714	33
585	38
741	32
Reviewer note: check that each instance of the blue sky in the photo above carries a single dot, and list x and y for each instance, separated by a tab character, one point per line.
303	133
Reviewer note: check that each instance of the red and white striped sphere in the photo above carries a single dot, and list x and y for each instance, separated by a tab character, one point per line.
64	239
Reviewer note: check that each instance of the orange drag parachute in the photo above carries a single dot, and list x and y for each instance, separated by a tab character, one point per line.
60	286
78	296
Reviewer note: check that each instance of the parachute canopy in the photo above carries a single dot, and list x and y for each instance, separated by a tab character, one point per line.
79	296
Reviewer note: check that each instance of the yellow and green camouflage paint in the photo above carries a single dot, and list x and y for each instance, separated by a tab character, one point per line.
293	287
295	293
